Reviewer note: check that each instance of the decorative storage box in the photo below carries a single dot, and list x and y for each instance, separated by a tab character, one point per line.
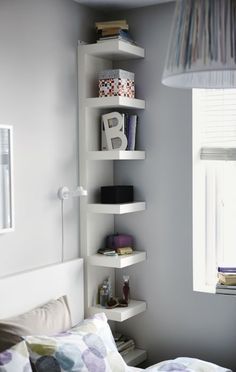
116	83
115	241
117	194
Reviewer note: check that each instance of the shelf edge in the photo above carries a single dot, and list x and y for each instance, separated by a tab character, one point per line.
120	314
117	262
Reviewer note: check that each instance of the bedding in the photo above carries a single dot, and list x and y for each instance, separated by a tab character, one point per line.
15	359
48	319
187	365
88	347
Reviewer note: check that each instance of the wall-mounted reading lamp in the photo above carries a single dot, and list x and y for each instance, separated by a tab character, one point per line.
65	193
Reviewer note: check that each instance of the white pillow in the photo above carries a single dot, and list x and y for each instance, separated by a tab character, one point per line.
88	347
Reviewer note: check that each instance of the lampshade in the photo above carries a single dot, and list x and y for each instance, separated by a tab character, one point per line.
202	47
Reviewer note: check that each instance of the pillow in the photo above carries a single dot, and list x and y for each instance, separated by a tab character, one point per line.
87	347
48	319
15	359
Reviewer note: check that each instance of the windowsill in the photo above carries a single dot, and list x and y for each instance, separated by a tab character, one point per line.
205	288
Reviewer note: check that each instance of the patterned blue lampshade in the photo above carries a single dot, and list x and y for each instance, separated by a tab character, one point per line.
202	48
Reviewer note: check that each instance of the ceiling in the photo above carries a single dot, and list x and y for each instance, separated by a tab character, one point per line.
120	4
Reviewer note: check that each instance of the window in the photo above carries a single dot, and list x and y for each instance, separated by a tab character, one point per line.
214	184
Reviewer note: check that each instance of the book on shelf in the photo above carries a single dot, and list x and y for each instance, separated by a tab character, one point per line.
121	23
131	131
104	39
125	345
120	34
112	31
126	351
115	252
108	252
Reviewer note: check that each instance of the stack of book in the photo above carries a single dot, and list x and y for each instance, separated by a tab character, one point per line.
113	30
227	281
124	344
130	130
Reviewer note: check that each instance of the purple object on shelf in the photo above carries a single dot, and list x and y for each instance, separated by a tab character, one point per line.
115	241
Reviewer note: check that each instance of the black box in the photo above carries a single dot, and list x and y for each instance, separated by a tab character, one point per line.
117	194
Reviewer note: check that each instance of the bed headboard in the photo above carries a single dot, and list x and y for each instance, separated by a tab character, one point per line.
22	292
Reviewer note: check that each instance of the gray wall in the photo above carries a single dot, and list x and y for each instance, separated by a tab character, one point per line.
178	322
38	86
38	96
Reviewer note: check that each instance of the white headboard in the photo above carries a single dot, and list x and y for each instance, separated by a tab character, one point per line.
22	292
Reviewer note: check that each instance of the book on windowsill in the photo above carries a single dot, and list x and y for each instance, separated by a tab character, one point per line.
226	289
227	278
227	269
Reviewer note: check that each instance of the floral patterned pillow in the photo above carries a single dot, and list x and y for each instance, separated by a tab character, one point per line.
88	347
15	359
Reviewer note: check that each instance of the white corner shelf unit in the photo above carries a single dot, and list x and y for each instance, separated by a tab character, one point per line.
98	220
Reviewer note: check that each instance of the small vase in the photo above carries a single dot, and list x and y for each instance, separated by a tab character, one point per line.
126	288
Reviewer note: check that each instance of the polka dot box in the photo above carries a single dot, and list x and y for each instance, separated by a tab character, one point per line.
116	83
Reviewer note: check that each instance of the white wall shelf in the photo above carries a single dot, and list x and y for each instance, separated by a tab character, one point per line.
116	155
117	208
117	262
114	50
119	314
111	102
135	357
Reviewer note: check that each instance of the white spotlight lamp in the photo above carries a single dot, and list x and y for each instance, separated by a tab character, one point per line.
65	193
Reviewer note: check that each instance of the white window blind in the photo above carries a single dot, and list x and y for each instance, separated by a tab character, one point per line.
214	183
216	110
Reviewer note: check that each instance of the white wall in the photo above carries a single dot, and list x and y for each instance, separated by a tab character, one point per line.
178	322
38	96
